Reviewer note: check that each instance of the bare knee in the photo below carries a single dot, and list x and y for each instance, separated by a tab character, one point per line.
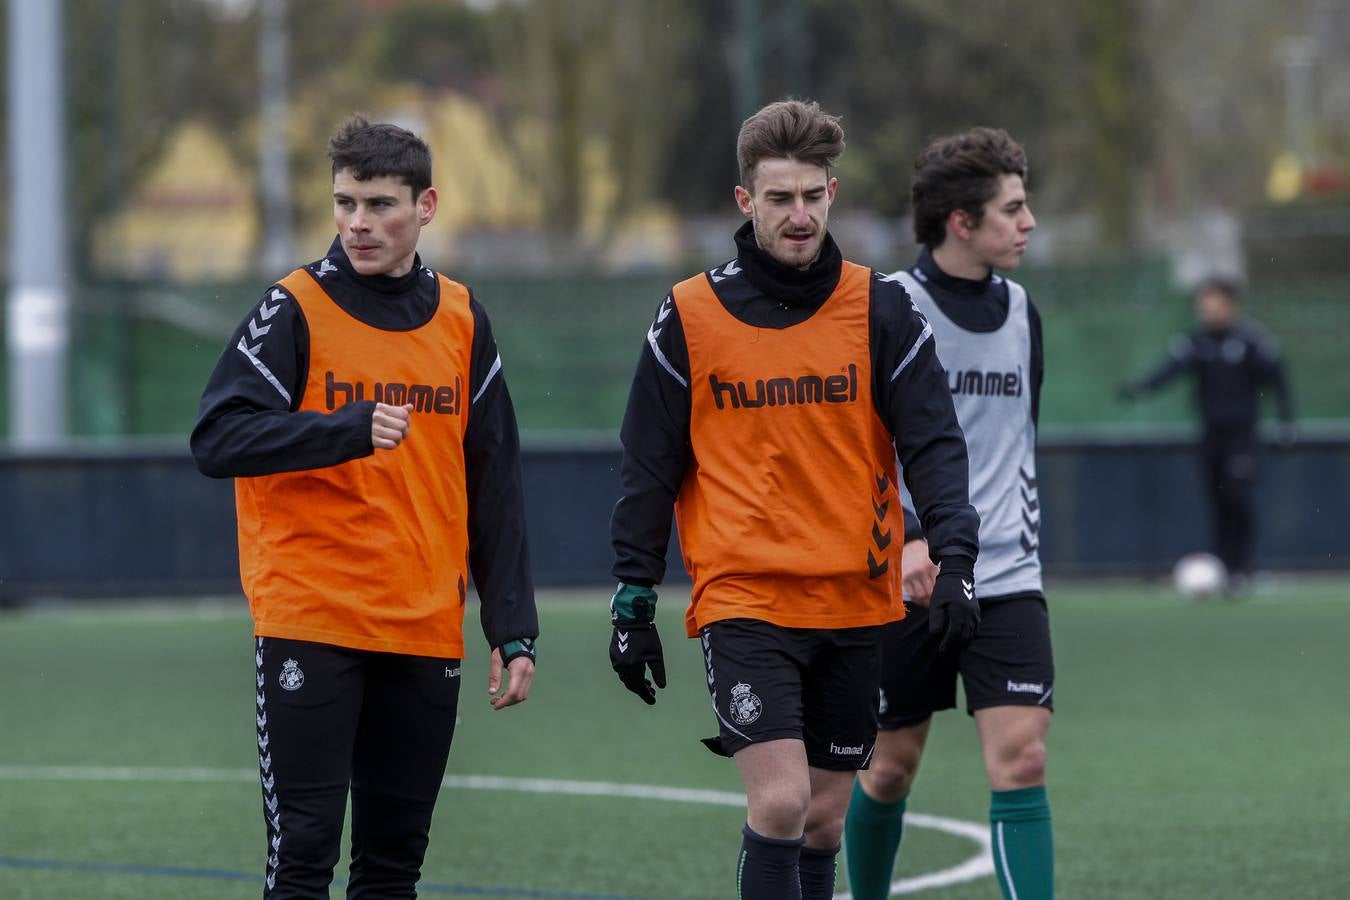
830	794
895	763
1013	738
778	813
1021	766
824	829
889	778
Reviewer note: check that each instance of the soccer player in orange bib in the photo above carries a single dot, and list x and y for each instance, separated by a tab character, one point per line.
361	408
771	397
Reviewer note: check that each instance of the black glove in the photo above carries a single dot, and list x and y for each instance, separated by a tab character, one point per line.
635	644
953	611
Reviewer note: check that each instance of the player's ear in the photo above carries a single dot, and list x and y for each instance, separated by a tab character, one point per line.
745	201
426	206
960	224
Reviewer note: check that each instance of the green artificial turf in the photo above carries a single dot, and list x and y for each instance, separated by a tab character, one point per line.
1198	751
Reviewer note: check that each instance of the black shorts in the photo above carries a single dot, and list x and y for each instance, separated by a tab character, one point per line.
1009	663
816	685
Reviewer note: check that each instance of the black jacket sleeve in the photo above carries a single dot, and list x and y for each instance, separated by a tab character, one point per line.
1270	367
498	548
656	452
1037	362
247	424
1180	358
912	398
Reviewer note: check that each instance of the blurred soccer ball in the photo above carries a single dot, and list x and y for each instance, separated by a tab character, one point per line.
1199	575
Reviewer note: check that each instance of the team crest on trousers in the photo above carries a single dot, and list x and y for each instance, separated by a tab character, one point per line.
745	705
292	676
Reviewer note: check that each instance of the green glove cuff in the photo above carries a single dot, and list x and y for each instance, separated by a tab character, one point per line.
512	649
633	605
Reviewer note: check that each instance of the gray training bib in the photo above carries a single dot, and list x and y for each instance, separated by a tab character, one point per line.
987	374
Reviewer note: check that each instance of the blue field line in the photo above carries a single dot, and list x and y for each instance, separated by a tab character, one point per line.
463	890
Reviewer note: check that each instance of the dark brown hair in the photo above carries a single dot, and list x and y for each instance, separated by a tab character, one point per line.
788	129
379	150
961	171
1219	284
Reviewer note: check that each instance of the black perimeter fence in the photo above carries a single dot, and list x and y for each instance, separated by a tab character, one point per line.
141	522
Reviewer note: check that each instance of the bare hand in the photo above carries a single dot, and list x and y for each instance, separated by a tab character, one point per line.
519	677
389	425
917	572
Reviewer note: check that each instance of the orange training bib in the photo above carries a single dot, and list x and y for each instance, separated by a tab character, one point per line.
789	512
370	554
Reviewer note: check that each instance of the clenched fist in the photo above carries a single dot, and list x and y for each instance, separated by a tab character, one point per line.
389	425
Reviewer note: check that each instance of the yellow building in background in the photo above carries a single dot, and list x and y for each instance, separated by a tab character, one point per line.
193	217
196	215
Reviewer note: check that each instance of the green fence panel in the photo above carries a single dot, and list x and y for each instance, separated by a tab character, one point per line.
140	352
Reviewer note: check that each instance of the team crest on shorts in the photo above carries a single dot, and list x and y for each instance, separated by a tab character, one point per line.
291	676
745	706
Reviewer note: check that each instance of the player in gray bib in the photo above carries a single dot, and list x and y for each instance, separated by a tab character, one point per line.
988	373
971	217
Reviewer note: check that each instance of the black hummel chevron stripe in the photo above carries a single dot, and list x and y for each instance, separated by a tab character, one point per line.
882	540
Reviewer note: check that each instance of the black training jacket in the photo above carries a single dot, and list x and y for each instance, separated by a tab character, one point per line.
1232	367
917	407
246	426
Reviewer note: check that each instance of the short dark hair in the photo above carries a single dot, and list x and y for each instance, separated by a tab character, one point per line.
379	150
1220	284
961	171
788	129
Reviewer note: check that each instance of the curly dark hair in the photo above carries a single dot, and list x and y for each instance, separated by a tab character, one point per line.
961	171
378	150
1219	284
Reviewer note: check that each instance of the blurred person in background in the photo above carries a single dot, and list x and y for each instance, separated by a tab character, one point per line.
361	408
971	218
1232	361
771	397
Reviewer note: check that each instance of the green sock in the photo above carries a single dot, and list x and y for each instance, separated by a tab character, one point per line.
1024	846
872	833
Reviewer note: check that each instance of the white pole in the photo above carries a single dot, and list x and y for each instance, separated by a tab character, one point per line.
273	148
36	314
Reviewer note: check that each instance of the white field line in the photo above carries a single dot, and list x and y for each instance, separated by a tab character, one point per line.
980	865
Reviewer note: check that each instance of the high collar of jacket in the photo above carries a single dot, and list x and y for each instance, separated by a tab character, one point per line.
383	284
805	288
971	287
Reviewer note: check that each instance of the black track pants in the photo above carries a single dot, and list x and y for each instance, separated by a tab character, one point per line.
1230	464
332	719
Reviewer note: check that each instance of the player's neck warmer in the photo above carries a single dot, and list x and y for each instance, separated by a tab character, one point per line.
370	554
799	288
789	513
935	274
